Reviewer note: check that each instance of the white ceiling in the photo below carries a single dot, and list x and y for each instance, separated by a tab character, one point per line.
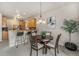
27	9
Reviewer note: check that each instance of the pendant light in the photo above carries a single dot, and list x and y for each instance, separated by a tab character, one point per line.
41	20
18	16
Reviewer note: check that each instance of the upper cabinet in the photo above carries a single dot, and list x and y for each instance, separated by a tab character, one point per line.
4	21
32	22
22	24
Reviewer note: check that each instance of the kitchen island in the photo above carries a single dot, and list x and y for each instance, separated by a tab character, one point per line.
12	37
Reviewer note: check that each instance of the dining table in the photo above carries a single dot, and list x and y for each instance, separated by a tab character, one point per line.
44	41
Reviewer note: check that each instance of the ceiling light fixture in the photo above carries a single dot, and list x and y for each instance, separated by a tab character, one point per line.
18	16
41	20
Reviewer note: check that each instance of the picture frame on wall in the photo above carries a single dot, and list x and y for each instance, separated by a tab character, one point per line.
51	21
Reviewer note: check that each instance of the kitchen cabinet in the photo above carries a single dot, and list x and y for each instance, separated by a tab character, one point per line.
5	35
22	24
32	22
4	28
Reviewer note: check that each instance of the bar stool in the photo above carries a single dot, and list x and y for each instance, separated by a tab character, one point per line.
28	36
19	38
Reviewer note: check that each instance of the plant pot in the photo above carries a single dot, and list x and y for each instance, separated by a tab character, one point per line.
70	46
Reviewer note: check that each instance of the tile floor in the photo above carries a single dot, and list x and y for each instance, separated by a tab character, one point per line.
24	50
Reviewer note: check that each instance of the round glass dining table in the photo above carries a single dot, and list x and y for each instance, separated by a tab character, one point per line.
44	41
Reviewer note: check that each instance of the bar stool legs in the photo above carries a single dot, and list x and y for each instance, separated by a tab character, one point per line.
16	45
19	40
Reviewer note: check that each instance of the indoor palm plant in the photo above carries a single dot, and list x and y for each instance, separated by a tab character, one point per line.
70	26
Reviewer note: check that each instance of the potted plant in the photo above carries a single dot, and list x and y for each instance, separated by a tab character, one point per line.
70	26
43	34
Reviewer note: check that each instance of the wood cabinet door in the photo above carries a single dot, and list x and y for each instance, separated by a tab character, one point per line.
4	35
32	22
22	24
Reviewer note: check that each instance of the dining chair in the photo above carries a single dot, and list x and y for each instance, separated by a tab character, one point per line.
54	46
35	45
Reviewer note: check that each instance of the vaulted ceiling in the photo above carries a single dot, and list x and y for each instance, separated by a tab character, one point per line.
27	9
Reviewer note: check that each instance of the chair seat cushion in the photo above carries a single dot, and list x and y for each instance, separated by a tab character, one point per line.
44	40
39	46
50	45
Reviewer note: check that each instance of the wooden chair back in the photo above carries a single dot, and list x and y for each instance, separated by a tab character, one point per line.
57	40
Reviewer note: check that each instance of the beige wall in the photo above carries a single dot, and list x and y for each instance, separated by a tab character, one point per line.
0	27
68	11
